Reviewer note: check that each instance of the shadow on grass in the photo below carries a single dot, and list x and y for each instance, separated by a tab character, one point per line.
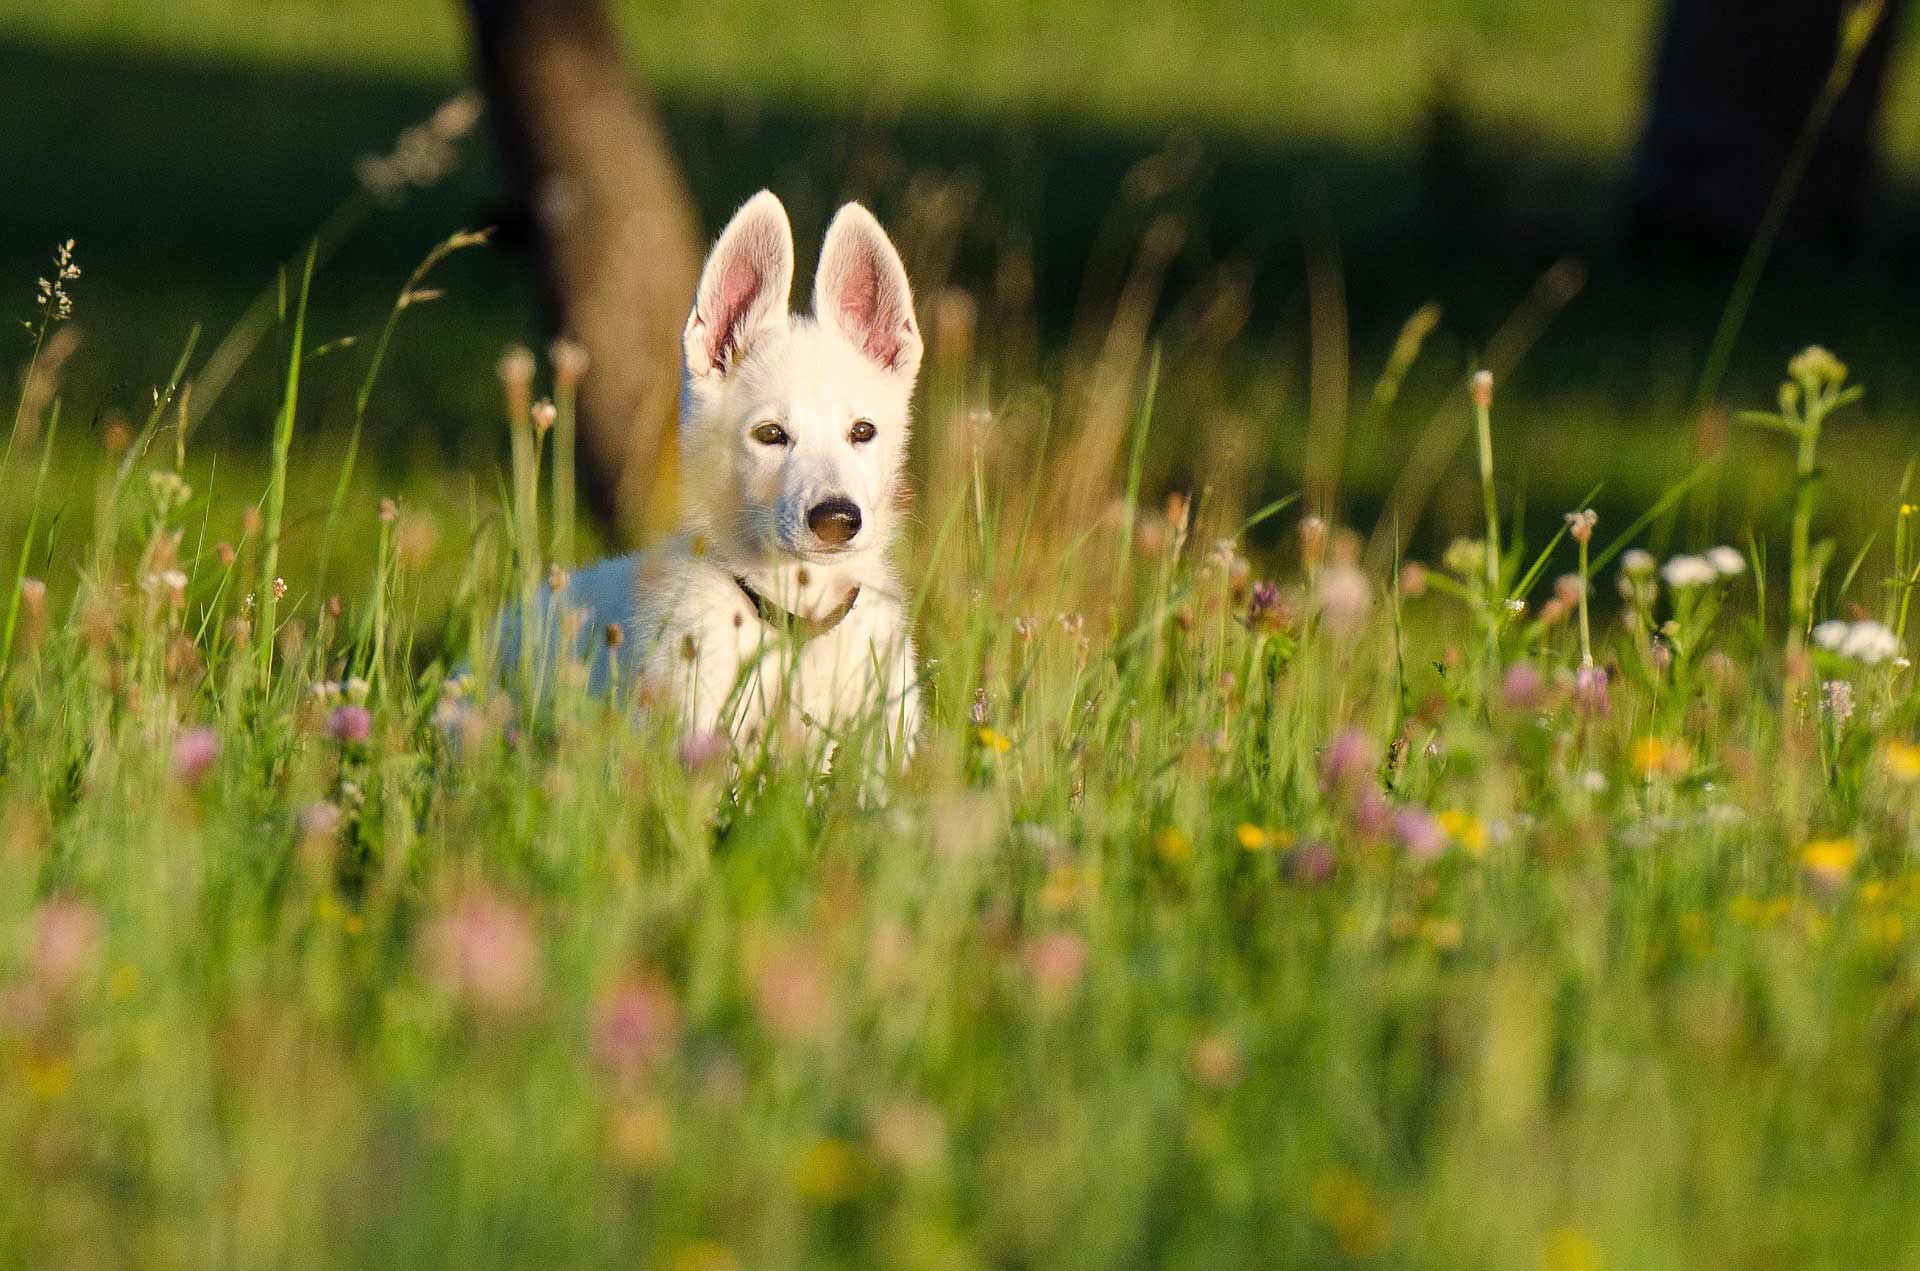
187	184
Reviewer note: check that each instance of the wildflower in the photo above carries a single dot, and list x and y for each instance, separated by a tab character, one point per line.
169	490
1870	642
1173	844
909	1134
389	511
1342	1200
1465	558
1831	634
351	724
279	589
636	1024
544	413
1413	580
1423	837
1345	597
1661	757
1312	864
1900	760
1838	695
224	552
1215	1061
1482	385
1817	367
1523	687
1057	962
791	992
702	750
1465	829
827	1171
1567	1250
356	689
1348	759
991	739
1829	862
1637	563
64	940
569	362
1265	614
1726	562
319	822
1685	572
194	753
482	950
1254	838
175	581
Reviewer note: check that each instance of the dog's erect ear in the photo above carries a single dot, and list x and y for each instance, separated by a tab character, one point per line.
861	291
743	288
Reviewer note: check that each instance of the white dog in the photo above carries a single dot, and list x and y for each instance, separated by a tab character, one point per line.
776	610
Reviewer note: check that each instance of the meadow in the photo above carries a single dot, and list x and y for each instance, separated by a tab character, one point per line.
1528	885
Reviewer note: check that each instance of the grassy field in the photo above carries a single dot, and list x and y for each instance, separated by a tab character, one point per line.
1255	897
1297	914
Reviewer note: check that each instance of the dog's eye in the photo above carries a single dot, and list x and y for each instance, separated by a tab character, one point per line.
769	434
863	431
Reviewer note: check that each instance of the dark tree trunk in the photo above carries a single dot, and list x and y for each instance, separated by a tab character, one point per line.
1734	82
612	231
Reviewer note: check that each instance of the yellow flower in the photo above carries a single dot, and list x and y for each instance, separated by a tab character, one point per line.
704	1255
1061	889
1466	829
47	1078
996	741
124	982
1565	1249
1342	1200
1900	760
1173	844
1830	861
827	1171
1661	757
1255	839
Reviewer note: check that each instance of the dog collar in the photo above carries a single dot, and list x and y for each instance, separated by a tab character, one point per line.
800	628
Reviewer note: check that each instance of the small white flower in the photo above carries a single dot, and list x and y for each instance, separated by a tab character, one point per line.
1594	780
1870	642
1831	634
357	689
1727	562
1688	571
1636	563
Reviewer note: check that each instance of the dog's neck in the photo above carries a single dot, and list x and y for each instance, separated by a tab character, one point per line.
812	591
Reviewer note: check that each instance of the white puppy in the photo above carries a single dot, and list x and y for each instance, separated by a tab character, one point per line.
776	611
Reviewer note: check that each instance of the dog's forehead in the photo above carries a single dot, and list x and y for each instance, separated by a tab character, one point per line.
809	372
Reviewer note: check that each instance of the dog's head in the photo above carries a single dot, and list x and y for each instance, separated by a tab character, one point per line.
794	428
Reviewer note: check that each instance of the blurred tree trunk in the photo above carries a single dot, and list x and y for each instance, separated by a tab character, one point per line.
607	217
1733	84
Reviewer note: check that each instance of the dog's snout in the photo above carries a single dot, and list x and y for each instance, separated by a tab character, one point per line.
834	521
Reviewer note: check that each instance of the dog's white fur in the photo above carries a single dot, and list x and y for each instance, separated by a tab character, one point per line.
691	631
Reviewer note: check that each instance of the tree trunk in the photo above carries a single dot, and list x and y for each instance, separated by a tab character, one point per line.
1732	89
1734	82
612	231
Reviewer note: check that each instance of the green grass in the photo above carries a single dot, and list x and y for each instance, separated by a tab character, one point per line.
1321	923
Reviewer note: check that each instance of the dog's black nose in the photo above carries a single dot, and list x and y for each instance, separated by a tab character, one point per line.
834	521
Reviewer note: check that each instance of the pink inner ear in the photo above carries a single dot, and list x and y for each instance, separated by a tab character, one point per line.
866	312
739	284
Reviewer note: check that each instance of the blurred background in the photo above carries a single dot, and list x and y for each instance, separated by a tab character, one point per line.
1265	194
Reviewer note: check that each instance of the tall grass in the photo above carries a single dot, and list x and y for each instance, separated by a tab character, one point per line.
1241	906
